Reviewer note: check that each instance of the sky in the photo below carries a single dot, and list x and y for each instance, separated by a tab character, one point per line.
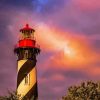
68	32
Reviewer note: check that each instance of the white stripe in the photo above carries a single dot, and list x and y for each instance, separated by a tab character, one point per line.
21	63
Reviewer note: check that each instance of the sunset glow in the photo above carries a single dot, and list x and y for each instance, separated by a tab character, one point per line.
68	32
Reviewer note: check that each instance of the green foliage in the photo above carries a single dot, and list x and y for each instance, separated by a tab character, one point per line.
11	96
85	91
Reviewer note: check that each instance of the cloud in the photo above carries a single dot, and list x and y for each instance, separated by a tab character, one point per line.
72	17
68	34
17	4
7	69
45	7
87	5
57	64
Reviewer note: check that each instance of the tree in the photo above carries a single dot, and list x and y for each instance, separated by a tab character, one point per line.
85	91
11	96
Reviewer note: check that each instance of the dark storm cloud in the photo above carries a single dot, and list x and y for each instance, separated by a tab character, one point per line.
7	80
16	4
7	15
7	68
5	20
47	7
5	32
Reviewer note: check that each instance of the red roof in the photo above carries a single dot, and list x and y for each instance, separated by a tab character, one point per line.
27	28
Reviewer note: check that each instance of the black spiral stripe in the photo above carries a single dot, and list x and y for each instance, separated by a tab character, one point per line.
32	94
24	70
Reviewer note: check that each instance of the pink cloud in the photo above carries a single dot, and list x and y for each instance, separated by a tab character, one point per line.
87	4
73	58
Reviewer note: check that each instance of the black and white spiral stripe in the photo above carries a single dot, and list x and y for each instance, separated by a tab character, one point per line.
24	70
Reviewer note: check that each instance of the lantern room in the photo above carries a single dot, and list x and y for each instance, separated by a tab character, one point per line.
26	38
27	32
26	46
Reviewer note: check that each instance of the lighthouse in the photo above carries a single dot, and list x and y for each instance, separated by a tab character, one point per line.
27	50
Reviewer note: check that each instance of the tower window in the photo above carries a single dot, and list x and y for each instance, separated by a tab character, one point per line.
27	79
26	54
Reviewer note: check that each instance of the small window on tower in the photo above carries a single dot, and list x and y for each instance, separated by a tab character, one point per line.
27	79
26	54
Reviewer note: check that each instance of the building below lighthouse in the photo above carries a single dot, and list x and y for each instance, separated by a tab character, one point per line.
27	50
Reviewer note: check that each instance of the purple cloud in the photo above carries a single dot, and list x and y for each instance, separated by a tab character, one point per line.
64	16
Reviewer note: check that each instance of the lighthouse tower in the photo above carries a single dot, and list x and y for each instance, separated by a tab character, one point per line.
27	50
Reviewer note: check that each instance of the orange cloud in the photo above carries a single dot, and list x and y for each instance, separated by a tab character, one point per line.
49	39
70	52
